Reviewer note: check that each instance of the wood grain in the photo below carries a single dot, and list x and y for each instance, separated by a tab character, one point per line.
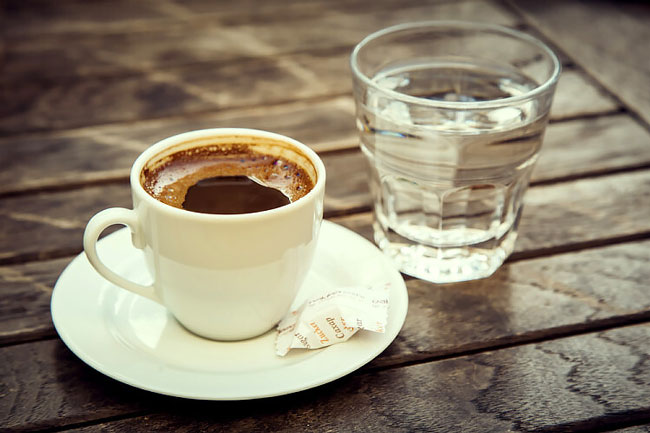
103	153
51	225
190	38
567	202
66	390
572	150
41	17
93	154
25	301
493	392
608	39
175	91
169	72
571	215
525	301
558	340
589	380
587	147
200	90
48	225
585	212
577	95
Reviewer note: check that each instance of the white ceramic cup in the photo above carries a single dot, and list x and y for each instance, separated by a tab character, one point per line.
223	277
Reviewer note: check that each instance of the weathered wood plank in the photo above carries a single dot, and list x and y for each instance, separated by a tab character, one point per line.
636	429
490	355
68	391
609	39
106	152
570	215
571	150
523	301
25	301
51	224
176	91
42	17
210	87
189	38
590	146
131	84
590	211
576	95
589	381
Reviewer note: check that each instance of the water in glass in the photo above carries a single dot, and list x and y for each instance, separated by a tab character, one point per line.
447	183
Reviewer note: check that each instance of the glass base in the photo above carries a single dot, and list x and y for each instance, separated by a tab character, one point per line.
445	264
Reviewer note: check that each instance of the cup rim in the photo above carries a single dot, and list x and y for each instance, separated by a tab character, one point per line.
165	143
463	25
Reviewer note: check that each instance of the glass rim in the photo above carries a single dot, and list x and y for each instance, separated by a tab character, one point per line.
460	25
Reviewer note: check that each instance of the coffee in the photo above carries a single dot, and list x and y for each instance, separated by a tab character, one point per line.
228	178
232	195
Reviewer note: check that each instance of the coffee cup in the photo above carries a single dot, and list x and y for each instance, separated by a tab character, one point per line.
223	276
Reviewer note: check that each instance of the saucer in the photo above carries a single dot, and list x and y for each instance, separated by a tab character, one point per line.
136	341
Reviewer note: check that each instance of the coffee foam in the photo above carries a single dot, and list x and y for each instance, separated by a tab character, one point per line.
168	177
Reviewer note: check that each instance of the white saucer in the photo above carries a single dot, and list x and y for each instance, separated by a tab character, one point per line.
136	341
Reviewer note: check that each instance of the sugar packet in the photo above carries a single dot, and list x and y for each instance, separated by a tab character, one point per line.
333	318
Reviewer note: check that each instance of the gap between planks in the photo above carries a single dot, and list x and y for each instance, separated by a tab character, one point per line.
532	337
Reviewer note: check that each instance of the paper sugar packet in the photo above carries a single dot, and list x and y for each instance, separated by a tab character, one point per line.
333	317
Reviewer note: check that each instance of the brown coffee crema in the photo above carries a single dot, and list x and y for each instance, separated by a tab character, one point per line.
226	178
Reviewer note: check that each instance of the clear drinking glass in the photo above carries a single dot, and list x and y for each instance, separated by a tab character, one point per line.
451	117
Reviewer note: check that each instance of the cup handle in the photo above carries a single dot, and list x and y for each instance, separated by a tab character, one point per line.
95	227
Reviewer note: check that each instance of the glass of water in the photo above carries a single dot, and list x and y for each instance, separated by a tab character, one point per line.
451	117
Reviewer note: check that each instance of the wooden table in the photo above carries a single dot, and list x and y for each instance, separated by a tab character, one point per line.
557	340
